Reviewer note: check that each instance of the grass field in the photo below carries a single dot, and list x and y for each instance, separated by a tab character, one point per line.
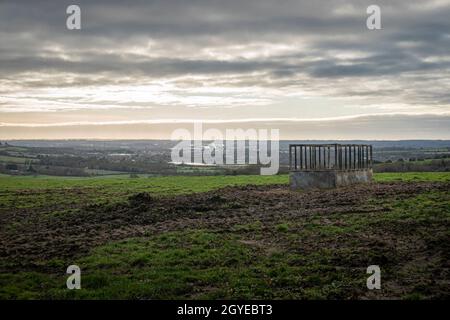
412	176
32	191
190	238
178	184
9	159
170	184
16	191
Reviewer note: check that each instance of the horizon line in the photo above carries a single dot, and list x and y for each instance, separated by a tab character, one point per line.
211	121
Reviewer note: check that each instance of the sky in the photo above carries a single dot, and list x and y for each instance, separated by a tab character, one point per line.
141	69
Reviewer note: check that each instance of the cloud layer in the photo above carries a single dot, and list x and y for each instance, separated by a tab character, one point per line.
167	59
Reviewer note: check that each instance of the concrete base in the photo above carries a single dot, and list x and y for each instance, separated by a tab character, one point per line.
327	179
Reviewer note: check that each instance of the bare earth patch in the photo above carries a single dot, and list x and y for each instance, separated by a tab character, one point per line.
357	226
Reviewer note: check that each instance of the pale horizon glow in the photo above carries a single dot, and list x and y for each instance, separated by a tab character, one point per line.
192	121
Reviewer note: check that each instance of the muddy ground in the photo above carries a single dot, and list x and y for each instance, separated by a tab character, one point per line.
28	237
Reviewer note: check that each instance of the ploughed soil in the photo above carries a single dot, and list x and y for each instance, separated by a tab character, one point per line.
27	239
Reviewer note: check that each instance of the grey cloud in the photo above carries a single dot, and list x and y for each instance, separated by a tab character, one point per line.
180	31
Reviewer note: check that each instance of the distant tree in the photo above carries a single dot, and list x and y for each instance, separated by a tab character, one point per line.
11	166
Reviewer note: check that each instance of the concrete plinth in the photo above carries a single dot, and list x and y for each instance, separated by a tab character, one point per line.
327	179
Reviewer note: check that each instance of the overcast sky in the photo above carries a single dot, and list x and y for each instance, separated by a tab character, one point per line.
136	69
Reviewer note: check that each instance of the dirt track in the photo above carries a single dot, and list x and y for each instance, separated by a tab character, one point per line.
41	237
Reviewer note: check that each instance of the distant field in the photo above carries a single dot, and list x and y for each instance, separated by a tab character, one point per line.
10	159
34	191
180	184
189	238
63	192
412	176
164	185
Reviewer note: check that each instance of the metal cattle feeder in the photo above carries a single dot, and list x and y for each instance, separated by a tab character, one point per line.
329	165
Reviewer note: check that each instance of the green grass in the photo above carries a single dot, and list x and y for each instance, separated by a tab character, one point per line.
13	148
194	264
44	191
200	264
427	207
412	176
11	159
177	184
163	185
203	264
